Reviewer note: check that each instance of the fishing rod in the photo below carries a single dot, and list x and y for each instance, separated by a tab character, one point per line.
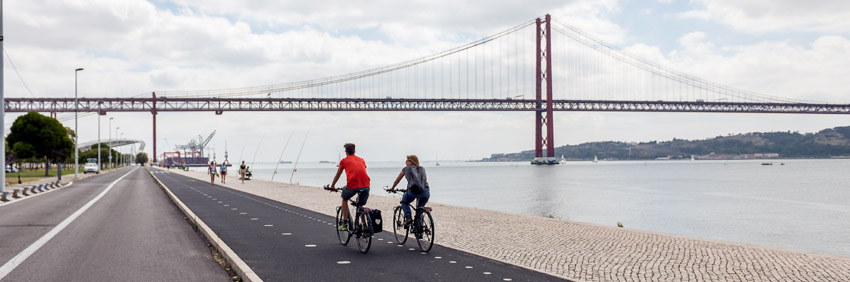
281	156
241	154
294	168
258	149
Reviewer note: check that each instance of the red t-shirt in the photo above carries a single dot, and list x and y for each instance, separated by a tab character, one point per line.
355	172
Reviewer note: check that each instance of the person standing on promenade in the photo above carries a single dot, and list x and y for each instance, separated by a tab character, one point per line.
242	169
356	181
223	170
417	186
211	170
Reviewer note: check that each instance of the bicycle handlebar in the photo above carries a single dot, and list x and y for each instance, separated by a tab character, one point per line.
394	191
329	189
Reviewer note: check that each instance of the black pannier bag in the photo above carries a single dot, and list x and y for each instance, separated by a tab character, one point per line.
377	222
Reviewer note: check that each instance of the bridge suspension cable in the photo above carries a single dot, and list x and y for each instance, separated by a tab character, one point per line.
628	81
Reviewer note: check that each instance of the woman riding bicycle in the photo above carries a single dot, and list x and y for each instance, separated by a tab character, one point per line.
417	186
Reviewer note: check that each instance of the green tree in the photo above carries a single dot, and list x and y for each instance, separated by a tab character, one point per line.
91	153
141	158
41	136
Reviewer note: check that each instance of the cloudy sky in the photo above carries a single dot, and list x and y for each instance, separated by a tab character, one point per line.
783	48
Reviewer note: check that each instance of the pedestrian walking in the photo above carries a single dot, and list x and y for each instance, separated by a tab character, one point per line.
212	172
242	169
223	170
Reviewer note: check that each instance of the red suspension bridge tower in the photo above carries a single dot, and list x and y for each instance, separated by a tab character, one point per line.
543	110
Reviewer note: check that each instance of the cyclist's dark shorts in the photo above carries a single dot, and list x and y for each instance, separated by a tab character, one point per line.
348	193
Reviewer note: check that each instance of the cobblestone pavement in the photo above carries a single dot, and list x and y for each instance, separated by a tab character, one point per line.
581	251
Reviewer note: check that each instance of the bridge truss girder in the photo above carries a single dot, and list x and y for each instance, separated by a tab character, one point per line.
220	105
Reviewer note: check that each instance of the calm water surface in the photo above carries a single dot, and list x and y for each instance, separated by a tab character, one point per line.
802	205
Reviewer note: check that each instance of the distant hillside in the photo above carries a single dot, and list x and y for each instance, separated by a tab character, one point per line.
827	143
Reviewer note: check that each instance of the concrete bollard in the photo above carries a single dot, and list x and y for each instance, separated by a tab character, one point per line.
16	193
4	196
26	190
34	189
41	187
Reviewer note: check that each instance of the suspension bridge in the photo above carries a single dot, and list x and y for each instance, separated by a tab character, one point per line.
540	66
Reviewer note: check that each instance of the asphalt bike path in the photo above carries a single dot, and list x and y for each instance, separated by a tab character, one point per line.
281	242
132	233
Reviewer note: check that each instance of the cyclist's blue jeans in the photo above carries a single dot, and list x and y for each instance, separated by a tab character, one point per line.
408	198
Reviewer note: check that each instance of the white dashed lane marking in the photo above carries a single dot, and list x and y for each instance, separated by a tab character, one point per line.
330	223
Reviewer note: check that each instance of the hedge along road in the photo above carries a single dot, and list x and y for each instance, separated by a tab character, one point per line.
281	242
129	232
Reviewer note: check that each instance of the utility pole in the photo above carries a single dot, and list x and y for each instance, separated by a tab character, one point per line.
2	109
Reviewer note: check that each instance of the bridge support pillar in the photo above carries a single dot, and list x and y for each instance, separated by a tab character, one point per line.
543	115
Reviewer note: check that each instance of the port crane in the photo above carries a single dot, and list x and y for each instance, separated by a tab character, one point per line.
195	146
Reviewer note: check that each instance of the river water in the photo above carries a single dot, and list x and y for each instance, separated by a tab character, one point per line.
799	205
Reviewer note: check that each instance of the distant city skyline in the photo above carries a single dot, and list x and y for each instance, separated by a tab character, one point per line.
129	48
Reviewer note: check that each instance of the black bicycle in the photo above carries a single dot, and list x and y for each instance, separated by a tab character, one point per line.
360	228
422	225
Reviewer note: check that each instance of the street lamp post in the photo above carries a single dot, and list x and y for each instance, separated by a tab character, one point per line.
116	157
99	104
122	153
76	131
110	142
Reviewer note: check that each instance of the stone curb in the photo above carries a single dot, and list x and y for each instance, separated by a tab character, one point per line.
245	272
31	190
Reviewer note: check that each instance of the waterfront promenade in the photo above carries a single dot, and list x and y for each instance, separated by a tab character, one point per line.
580	251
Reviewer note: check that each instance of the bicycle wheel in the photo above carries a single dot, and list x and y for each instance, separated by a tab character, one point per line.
364	232
425	234
343	236
398	226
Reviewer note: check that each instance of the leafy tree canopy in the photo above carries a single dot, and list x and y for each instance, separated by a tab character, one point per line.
45	136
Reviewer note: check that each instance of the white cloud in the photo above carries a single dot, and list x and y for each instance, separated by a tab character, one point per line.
776	16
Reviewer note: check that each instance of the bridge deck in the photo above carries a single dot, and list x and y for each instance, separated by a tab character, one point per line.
576	250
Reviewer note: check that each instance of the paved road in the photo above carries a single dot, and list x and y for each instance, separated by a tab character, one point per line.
281	242
133	233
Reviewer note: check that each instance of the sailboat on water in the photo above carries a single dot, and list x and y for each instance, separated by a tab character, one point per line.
563	160
438	160
595	159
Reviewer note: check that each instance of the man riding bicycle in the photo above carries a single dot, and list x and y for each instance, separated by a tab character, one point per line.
356	181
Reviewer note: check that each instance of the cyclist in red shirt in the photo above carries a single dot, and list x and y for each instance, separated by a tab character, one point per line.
356	180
